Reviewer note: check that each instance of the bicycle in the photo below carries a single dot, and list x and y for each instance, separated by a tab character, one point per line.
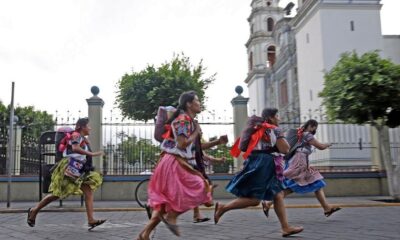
141	192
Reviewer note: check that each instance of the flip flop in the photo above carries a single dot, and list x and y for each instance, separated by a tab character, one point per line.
200	220
30	222
330	212
95	224
265	208
294	231
172	227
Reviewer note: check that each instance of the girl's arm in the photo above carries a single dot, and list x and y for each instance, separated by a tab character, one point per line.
318	145
281	143
221	140
184	140
213	159
76	148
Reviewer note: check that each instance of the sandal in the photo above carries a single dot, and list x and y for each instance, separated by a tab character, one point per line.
29	221
172	227
96	223
265	208
148	210
330	212
292	232
200	220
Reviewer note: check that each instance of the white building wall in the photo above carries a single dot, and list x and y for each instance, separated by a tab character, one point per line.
338	37
324	37
391	47
309	63
256	95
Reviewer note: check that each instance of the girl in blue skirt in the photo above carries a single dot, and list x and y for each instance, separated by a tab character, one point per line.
261	178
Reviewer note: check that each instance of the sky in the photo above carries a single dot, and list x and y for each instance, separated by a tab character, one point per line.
55	51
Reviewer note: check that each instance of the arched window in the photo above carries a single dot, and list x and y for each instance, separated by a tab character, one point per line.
271	55
270	24
251	61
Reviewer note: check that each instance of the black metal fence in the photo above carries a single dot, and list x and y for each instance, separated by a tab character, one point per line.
131	149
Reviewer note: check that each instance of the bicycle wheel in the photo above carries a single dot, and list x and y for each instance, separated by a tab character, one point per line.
141	192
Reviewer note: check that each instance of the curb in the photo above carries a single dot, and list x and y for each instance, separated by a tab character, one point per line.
137	209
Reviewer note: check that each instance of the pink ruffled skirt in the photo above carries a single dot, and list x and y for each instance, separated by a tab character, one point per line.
299	170
176	186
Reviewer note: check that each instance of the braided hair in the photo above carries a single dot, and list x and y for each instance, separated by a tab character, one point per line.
312	123
185	98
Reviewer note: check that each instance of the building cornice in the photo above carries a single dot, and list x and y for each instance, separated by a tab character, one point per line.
303	12
261	10
309	9
251	75
259	36
391	36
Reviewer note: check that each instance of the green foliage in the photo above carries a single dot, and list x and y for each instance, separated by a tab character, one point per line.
363	89
34	122
141	93
132	149
221	151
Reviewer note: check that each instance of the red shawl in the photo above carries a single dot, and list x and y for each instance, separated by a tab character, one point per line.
255	138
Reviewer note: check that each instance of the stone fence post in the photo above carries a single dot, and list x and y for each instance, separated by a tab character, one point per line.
239	104
95	114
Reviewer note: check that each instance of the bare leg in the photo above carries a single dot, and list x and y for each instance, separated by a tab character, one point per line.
286	192
88	202
237	203
43	203
153	222
196	213
322	199
279	207
172	217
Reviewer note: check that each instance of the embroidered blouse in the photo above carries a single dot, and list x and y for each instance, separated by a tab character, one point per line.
76	138
181	126
269	142
307	147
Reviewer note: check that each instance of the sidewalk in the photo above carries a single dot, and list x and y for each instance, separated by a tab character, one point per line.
114	206
360	218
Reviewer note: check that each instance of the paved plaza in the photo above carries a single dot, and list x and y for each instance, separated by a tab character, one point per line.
360	218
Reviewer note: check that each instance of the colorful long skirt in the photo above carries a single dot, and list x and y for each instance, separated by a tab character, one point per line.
300	177
62	186
176	186
257	179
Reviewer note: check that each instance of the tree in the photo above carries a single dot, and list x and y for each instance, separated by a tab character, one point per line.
363	90
221	151
141	93
133	149
34	122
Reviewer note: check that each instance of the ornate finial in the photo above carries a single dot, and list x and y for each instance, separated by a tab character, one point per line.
239	90
95	90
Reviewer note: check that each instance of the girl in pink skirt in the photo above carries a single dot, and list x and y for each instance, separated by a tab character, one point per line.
175	186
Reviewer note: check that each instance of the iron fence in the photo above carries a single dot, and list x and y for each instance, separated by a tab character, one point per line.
131	149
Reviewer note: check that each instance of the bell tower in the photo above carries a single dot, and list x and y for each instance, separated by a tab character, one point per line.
261	49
